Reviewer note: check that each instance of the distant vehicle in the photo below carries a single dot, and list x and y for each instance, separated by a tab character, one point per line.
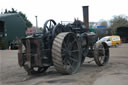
111	40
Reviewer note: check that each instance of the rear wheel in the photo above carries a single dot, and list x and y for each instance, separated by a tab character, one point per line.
66	53
25	61
101	54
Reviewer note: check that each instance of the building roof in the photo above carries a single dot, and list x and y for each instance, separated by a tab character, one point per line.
7	15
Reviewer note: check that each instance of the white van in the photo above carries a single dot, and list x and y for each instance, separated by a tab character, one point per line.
111	40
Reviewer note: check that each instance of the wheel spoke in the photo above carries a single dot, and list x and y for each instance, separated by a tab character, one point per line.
63	49
75	51
69	65
64	44
47	27
73	41
50	24
67	41
65	58
69	46
102	59
73	59
63	54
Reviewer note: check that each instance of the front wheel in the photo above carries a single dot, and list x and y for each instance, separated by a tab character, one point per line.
101	54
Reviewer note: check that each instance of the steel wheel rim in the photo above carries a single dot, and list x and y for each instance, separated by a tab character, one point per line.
102	52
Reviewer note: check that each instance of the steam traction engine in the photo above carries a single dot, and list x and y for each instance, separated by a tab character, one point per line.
63	46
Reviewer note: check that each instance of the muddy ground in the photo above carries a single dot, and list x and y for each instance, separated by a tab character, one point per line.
114	73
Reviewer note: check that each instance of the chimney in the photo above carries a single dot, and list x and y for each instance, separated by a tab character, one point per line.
86	16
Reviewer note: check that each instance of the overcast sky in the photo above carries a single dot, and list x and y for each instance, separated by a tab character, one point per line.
66	10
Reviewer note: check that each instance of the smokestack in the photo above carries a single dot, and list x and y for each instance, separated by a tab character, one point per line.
86	16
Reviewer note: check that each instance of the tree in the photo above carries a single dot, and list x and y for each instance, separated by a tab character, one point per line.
103	23
118	21
102	31
28	23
